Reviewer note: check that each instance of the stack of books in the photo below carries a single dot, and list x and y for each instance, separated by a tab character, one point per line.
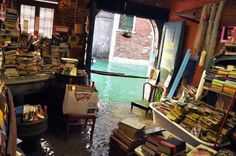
55	55
157	145
221	78
1	58
45	68
10	64
217	84
28	63
28	112
230	83
11	22
5	38
45	47
64	49
129	134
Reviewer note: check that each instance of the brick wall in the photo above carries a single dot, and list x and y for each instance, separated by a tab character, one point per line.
139	45
65	13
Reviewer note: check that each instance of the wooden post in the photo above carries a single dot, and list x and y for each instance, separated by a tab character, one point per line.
210	26
214	34
93	7
200	37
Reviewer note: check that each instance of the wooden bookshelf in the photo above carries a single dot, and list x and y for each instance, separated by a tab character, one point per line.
219	92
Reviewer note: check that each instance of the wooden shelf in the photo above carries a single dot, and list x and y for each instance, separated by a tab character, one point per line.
219	92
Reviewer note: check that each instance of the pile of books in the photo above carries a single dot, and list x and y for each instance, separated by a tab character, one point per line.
45	47
221	78
55	55
164	106
217	84
176	114
26	113
28	63
11	22
230	83
25	40
5	38
1	58
64	49
200	119
157	145
10	64
46	68
129	135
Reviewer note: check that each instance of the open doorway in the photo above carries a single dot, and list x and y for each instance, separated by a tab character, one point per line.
126	45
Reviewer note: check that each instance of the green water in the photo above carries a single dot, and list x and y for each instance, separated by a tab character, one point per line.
119	89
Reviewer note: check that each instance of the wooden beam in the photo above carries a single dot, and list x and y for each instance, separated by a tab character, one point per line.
191	14
93	8
134	8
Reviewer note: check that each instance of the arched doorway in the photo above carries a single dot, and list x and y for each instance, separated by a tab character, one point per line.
125	38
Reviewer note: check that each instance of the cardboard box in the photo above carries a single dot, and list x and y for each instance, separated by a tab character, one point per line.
80	100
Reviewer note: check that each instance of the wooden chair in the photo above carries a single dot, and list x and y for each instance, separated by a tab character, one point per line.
151	93
76	119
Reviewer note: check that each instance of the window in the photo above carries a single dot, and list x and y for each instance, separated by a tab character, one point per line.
34	18
46	22
27	15
127	23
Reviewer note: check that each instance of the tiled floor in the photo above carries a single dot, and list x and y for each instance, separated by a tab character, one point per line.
53	141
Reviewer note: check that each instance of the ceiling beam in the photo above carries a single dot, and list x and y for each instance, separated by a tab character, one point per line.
131	7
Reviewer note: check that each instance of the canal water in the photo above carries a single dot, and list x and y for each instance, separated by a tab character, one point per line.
119	89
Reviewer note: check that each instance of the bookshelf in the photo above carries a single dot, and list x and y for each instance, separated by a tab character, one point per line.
218	92
220	79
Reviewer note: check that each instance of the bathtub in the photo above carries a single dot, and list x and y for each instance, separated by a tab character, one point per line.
164	122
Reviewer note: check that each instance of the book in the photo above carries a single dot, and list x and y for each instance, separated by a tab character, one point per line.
131	123
180	145
149	150
154	131
202	150
115	140
128	135
131	143
160	144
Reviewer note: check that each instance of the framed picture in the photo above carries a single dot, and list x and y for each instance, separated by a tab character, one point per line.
227	34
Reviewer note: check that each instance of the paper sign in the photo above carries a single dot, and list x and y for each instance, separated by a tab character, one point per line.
26	25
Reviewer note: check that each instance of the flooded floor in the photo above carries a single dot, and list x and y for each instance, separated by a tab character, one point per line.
53	142
115	96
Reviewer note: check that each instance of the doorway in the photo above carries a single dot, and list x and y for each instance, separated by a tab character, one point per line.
126	45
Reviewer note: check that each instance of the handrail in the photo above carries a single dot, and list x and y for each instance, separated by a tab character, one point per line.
117	74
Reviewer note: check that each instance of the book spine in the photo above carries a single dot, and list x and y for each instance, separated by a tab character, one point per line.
160	146
115	140
122	138
148	150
